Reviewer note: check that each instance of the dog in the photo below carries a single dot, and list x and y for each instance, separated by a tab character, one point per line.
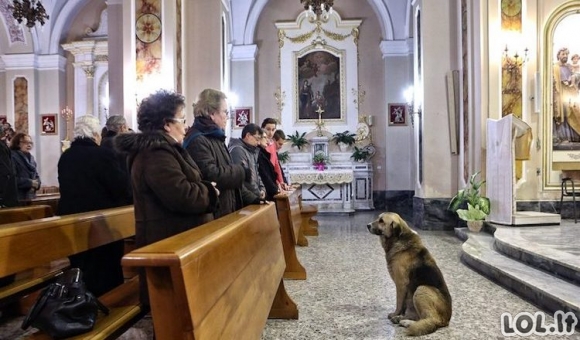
423	300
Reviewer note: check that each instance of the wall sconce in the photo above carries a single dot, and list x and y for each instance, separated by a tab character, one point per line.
515	61
412	106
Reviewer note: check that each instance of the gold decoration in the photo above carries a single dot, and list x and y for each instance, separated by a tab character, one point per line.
336	36
301	38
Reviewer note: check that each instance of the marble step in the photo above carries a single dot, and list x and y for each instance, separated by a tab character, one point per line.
524	248
536	286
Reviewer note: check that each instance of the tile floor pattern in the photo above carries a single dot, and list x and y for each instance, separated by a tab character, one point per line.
348	293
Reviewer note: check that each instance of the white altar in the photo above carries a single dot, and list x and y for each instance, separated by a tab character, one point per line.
342	187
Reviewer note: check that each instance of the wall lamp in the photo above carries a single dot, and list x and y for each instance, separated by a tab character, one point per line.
413	106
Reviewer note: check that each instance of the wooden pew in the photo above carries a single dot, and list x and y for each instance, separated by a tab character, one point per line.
19	214
221	280
309	226
31	244
290	220
44	199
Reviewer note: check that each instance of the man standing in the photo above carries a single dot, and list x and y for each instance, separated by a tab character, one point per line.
8	192
244	151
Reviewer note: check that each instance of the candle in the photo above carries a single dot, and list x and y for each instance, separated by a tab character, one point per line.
370	120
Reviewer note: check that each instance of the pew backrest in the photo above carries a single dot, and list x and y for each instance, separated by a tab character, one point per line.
216	281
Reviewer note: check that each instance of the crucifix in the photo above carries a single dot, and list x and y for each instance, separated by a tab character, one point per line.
320	123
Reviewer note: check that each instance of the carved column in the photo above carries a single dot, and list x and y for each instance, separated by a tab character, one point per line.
90	73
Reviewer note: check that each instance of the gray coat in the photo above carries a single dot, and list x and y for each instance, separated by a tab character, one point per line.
247	156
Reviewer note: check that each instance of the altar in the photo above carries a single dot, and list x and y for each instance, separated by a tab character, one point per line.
343	186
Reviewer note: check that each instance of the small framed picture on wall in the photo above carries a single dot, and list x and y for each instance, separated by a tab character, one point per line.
48	124
397	114
3	119
242	117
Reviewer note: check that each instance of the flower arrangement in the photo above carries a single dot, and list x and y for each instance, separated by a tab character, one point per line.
360	154
344	137
319	161
478	206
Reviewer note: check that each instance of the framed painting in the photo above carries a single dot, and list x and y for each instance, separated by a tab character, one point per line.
319	86
48	124
397	114
242	117
3	119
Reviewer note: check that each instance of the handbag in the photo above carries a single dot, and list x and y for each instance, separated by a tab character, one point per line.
65	308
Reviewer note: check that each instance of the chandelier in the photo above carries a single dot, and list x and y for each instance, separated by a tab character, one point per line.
26	9
318	9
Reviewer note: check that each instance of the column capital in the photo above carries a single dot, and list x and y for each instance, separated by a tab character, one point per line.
396	48
244	52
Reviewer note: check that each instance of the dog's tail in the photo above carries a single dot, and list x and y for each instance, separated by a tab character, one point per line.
423	326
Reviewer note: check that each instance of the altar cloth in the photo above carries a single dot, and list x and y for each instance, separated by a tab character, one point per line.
321	177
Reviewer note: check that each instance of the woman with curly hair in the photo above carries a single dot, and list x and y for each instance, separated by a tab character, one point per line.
169	193
27	179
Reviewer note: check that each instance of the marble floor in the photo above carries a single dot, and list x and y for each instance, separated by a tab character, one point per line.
348	293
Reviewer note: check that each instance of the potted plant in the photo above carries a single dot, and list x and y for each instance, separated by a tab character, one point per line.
283	157
319	161
470	205
344	139
360	154
298	140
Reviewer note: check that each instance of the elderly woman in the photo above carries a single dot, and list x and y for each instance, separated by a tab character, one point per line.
205	142
90	179
169	192
27	179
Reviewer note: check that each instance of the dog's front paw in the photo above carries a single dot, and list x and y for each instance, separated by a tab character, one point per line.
406	323
395	318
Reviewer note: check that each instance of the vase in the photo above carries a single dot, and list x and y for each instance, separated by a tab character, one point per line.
475	226
342	146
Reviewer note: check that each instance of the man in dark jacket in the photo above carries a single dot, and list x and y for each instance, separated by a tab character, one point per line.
244	151
117	125
205	142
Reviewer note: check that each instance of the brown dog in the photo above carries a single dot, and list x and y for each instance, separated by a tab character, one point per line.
423	300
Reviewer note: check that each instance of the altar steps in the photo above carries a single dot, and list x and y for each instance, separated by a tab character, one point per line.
545	273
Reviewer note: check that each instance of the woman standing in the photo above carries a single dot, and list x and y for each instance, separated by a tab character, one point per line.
205	142
27	179
90	179
169	192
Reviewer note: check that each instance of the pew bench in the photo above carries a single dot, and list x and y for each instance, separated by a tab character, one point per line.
307	211
290	219
33	244
221	280
19	214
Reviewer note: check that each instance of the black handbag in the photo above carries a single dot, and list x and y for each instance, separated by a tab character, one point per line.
65	308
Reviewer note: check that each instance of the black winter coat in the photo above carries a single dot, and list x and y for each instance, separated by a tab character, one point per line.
267	174
8	195
205	142
90	179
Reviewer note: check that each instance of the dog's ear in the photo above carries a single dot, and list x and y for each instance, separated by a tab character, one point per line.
395	229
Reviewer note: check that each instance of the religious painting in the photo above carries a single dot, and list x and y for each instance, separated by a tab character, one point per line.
3	119
397	114
242	117
565	81
318	84
48	124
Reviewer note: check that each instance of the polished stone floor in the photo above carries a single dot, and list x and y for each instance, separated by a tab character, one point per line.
348	293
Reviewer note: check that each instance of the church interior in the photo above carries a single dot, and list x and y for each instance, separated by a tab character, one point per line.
459	116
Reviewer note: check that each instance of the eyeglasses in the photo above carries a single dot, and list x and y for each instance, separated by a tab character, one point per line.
258	138
227	113
27	143
179	120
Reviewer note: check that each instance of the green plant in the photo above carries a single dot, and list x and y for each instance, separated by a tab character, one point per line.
344	137
298	140
319	158
477	205
283	157
360	154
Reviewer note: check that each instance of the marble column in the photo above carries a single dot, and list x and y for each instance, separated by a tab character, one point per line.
90	73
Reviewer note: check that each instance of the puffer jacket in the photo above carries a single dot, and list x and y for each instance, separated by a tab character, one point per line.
247	156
